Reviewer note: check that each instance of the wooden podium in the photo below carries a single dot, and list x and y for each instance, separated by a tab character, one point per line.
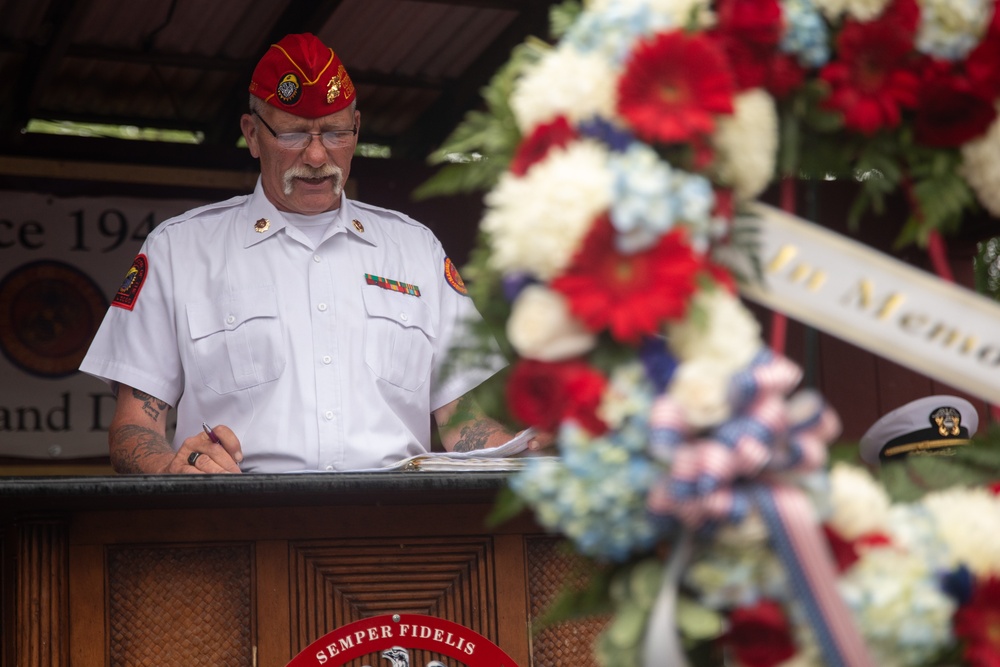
248	570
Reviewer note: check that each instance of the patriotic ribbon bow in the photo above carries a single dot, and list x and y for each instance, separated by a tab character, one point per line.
710	475
747	461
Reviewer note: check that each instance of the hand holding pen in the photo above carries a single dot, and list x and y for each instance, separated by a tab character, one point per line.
214	450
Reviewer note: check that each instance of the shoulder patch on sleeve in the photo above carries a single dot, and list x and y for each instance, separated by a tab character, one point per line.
455	280
129	290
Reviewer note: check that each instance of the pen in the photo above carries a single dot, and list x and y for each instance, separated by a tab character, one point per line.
210	433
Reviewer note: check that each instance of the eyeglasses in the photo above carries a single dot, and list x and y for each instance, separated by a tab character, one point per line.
292	140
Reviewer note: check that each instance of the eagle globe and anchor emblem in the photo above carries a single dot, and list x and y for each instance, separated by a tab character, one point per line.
393	636
400	657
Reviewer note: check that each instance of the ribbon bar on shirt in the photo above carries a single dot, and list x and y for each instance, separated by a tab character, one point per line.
392	285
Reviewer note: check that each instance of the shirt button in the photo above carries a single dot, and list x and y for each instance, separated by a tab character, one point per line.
329	468
327	359
328	414
317	259
403	317
322	307
230	319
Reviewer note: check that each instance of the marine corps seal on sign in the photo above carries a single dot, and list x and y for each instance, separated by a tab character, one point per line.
49	312
455	280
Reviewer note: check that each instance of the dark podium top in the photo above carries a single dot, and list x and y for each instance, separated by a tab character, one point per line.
248	570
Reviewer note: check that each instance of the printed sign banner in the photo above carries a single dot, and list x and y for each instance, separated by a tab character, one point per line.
61	261
875	302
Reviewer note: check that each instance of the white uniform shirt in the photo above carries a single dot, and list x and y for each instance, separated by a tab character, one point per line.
308	353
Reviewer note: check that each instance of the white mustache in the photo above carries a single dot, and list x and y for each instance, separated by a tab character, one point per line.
309	172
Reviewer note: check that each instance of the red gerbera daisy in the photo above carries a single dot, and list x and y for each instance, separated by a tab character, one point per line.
535	147
951	111
673	86
872	82
544	394
978	623
630	295
754	21
784	76
760	636
749	31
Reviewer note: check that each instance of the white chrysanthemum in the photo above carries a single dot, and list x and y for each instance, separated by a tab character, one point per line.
565	82
900	609
541	327
968	522
746	144
701	388
536	222
949	29
859	505
981	167
678	12
862	10
718	327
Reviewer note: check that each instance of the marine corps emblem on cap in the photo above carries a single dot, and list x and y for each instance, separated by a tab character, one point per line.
303	76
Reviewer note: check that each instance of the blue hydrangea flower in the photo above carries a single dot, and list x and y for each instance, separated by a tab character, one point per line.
806	33
613	31
594	493
649	197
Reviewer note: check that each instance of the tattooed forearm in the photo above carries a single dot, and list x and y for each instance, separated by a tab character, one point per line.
151	405
132	446
477	436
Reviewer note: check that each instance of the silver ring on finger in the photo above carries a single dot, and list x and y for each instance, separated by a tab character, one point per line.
193	458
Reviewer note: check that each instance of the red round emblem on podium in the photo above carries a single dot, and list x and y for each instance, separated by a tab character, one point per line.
393	636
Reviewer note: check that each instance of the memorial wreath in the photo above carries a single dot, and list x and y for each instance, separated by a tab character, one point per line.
691	465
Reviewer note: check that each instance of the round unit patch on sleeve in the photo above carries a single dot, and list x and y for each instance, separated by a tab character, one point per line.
455	280
129	290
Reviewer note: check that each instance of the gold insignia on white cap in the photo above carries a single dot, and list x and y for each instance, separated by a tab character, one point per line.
262	225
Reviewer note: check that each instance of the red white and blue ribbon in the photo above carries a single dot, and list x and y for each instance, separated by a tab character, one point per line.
751	460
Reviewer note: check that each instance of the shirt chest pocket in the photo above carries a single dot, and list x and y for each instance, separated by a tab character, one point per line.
237	339
398	333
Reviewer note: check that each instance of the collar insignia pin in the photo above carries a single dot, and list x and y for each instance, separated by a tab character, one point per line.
358	226
262	225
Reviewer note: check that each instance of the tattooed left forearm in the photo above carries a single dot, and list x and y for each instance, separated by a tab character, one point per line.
477	436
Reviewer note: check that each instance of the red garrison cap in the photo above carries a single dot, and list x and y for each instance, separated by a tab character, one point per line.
303	76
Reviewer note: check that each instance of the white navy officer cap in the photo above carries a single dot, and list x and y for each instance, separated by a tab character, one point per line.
927	425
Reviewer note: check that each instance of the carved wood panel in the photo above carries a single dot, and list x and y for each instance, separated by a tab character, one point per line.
41	594
175	605
336	582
